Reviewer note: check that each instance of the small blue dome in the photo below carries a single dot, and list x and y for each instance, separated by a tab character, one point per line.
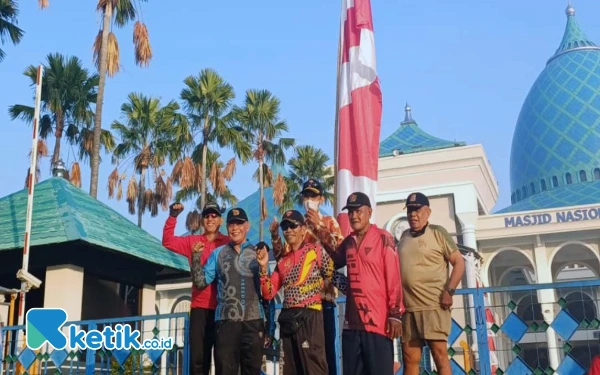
557	137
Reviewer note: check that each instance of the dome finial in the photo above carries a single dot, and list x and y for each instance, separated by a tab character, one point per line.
408	115
570	11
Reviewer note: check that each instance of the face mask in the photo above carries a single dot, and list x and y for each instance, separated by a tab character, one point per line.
310	204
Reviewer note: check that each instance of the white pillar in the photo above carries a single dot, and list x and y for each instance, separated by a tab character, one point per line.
469	238
546	298
58	278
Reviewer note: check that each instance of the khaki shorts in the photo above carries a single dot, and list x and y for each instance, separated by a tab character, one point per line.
426	325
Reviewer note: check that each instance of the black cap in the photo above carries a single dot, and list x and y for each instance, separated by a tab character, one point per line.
236	214
417	200
356	200
293	216
312	186
211	207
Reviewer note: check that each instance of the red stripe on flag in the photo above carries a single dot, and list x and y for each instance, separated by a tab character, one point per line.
344	223
359	131
357	18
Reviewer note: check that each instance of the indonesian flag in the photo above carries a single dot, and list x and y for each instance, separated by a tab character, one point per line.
359	103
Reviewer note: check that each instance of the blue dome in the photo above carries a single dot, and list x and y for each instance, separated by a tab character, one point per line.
557	137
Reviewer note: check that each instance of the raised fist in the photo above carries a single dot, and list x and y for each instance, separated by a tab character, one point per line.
175	209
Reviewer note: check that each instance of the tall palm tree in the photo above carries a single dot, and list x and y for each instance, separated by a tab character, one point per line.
218	191
207	99
147	139
106	57
308	162
67	95
259	118
9	11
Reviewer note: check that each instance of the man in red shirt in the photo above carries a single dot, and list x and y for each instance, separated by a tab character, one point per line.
204	302
374	304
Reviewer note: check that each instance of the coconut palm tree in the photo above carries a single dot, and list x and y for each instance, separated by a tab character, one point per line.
147	137
207	99
9	11
308	162
218	191
262	128
106	57
67	95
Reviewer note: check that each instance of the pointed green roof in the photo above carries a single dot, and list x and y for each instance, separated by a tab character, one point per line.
574	38
64	213
409	138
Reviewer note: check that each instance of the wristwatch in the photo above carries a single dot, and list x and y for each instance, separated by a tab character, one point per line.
451	291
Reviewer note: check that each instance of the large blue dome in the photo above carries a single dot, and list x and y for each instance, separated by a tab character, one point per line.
557	137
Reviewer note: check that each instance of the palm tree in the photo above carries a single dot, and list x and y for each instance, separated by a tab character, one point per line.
106	57
259	118
147	139
308	162
67	95
9	11
207	100
218	191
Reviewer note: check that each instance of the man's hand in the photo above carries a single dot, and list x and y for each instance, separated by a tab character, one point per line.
198	247
274	228
262	256
268	341
175	209
446	300
312	216
393	328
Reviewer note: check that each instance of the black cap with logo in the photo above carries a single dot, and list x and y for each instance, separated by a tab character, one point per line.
416	200
313	186
356	200
293	216
236	214
211	207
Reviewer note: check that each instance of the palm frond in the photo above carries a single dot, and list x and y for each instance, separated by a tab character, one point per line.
141	40
75	175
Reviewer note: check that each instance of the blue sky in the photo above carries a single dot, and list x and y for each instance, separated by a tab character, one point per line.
465	67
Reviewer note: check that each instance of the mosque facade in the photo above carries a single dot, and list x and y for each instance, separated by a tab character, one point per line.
549	234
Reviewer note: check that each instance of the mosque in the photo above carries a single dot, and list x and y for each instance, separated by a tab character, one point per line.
550	233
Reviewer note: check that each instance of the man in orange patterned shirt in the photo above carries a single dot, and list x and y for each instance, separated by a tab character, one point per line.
301	272
325	231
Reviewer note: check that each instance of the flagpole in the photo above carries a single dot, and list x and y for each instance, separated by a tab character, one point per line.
25	286
337	115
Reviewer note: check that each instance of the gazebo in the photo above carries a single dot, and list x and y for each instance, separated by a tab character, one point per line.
93	262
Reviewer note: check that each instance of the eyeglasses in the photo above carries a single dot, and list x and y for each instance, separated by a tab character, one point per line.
211	216
287	225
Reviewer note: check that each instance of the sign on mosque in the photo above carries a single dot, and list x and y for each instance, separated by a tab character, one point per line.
546	218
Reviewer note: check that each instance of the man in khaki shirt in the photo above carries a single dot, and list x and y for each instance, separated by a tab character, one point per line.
425	251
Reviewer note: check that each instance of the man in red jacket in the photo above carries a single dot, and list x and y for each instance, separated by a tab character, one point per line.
374	301
204	302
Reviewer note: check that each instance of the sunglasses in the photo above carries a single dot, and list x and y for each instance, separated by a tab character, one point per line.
211	216
287	225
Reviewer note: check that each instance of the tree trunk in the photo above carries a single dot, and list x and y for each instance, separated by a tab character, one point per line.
95	158
142	190
262	191
60	124
204	153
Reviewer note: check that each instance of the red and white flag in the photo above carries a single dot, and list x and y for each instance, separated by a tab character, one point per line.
359	104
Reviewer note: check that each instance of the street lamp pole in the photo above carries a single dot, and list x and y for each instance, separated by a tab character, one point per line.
27	281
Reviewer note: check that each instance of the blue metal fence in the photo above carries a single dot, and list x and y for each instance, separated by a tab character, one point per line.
539	329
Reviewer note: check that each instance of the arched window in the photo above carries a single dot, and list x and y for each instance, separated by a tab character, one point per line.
529	309
177	326
597	174
568	178
581	306
582	176
532	188
554	181
543	185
